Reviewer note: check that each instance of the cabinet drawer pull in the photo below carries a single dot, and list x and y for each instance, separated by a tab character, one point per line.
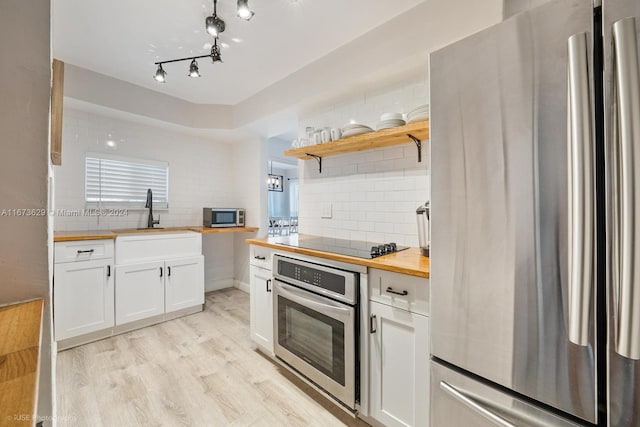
108	271
372	324
261	258
268	283
391	291
86	251
160	271
168	271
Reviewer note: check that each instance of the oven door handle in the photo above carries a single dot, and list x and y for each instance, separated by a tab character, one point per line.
294	295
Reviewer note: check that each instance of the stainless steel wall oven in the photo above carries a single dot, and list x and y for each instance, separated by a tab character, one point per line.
316	325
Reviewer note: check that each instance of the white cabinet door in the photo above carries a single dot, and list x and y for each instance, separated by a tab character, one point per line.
261	307
83	297
399	366
184	283
139	291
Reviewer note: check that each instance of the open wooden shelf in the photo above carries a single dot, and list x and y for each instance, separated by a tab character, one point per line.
367	141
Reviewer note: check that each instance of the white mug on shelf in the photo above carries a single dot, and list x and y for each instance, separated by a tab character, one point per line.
336	133
325	135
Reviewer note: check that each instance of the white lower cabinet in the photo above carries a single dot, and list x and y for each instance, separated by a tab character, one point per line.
399	366
158	273
261	308
156	287
101	284
184	283
83	297
139	291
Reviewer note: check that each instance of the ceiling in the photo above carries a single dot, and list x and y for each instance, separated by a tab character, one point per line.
123	39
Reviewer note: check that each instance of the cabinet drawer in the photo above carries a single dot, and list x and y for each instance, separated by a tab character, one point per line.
83	250
260	256
410	293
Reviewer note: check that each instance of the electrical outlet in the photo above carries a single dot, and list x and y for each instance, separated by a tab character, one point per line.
325	210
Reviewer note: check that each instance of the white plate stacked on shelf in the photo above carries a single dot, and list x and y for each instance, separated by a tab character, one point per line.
352	129
418	114
390	120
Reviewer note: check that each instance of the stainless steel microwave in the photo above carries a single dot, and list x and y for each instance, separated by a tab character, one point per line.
223	217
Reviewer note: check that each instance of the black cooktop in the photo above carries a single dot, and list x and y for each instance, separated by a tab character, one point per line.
355	248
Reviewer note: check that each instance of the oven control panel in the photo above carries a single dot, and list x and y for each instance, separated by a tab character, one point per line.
319	278
312	276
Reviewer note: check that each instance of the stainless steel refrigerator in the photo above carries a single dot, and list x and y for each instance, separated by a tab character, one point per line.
535	260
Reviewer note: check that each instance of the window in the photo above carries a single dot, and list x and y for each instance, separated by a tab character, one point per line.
121	182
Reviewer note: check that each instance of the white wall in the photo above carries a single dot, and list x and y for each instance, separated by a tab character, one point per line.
25	72
250	177
374	193
200	170
200	174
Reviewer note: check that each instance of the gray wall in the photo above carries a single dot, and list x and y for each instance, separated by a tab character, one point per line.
513	7
24	130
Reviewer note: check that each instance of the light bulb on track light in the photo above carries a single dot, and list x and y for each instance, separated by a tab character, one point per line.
161	75
193	69
243	10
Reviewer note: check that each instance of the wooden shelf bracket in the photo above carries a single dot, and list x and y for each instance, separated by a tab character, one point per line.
319	159
418	144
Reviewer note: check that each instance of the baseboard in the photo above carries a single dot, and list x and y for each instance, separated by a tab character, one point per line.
216	285
244	287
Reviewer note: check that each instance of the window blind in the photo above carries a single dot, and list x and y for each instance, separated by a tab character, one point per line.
111	181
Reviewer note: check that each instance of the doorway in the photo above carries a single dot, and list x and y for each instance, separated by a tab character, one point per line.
282	198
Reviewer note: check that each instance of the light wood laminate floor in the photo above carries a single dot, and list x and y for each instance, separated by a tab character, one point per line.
199	370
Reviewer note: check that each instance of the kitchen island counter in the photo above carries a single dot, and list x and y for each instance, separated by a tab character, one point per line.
409	261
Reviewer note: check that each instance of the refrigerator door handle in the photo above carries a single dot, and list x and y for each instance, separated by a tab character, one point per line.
627	132
474	406
580	191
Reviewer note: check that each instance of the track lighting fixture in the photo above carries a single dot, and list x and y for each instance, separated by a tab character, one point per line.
193	69
161	75
215	52
243	10
214	25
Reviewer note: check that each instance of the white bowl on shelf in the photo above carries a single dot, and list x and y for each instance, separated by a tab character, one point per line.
391	116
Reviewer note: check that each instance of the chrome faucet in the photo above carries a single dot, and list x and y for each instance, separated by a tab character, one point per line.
149	205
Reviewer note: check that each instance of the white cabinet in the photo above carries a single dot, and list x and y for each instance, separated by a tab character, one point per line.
399	366
261	257
139	291
158	273
83	287
398	348
261	297
184	283
83	296
409	293
261	307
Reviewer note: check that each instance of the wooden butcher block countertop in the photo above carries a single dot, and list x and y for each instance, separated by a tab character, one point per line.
20	329
410	261
67	236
